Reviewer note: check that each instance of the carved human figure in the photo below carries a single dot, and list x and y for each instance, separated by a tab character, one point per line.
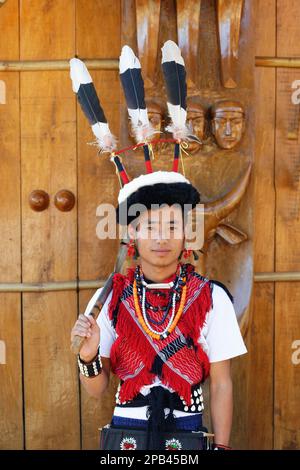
155	114
228	123
196	123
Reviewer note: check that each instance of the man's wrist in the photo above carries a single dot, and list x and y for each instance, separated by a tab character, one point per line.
88	359
91	368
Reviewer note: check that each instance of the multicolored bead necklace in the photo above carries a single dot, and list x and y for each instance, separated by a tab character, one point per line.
178	290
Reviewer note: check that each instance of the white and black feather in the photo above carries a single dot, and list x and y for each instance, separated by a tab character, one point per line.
133	86
84	88
175	80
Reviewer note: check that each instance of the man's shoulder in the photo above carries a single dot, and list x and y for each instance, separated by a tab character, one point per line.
215	285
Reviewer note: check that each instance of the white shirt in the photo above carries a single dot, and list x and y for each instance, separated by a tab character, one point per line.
220	338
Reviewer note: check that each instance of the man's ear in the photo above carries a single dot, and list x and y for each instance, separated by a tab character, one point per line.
131	232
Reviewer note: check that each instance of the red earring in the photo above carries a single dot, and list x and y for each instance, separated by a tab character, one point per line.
130	249
186	253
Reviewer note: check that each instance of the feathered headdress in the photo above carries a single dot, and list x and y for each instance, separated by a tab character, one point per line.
163	186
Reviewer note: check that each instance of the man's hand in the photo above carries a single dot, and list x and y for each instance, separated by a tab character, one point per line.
88	328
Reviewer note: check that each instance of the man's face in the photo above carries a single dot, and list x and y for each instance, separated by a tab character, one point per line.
159	235
228	128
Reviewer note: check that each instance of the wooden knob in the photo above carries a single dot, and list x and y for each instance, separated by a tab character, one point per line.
39	200
64	200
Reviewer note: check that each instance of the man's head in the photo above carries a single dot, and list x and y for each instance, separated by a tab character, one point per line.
155	207
151	191
228	123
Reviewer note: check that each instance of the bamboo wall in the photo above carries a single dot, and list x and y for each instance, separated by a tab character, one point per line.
43	146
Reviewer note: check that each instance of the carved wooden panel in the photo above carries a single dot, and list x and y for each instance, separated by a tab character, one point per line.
222	117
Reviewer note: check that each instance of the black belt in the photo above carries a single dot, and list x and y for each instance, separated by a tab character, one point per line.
157	400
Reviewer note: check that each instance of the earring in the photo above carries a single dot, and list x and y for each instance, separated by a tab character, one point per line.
186	253
132	251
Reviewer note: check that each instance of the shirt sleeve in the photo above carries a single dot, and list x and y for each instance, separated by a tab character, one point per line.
220	337
107	331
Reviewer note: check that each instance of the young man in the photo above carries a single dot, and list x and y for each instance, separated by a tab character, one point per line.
163	329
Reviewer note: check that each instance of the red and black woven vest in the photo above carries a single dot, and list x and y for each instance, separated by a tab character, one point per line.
179	361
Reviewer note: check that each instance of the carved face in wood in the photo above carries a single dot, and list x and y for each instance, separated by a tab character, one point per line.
228	123
155	114
196	122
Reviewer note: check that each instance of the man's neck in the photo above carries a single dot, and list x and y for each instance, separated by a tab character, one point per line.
158	273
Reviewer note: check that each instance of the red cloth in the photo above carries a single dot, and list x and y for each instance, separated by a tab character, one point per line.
134	352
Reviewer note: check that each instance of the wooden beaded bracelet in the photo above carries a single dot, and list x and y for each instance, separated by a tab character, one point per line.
90	369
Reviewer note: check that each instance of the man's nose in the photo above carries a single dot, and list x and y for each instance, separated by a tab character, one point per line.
163	235
162	238
228	128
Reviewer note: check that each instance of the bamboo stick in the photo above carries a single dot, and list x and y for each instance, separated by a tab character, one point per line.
49	286
40	65
279	276
285	62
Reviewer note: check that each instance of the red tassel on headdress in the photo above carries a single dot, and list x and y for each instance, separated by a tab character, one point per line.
120	168
176	158
147	159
